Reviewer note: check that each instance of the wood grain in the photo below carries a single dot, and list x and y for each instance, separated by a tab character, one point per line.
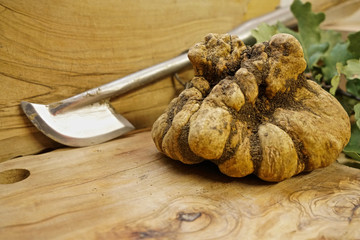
126	189
51	50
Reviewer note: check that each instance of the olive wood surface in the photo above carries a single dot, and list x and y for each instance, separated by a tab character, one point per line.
126	189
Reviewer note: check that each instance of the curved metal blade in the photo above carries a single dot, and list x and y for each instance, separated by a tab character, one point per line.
80	127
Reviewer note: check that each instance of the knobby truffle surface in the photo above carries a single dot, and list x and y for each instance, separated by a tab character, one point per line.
251	110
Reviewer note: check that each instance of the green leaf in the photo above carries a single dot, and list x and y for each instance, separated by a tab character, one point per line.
338	53
354	46
318	77
331	37
264	32
352	149
283	29
353	87
353	155
347	103
334	84
308	25
352	69
316	52
357	114
335	81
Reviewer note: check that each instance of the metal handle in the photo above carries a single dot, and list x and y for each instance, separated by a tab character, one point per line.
163	69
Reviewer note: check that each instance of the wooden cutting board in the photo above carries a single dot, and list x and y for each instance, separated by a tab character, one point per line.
126	189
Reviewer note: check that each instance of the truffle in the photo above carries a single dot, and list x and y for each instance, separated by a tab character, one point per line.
252	110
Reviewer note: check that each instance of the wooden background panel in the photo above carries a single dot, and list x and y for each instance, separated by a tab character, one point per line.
51	50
